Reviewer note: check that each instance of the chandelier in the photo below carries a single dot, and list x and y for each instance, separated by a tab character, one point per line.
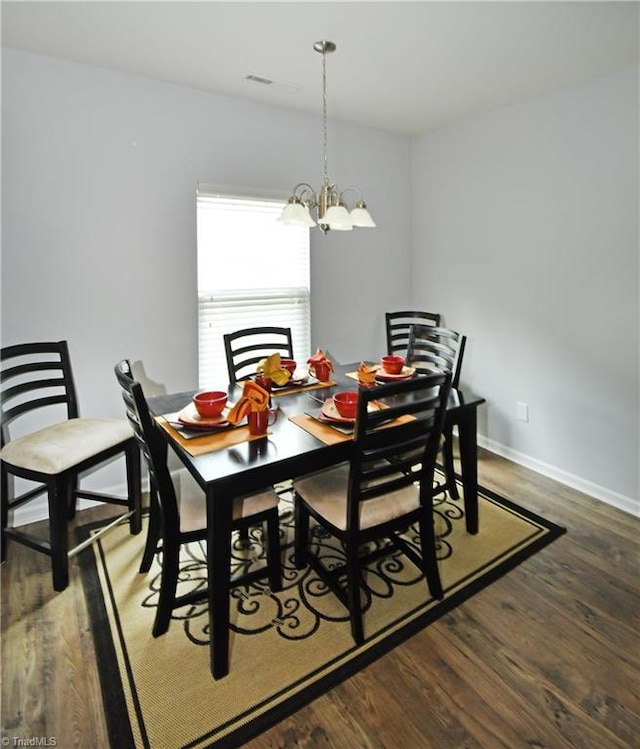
328	203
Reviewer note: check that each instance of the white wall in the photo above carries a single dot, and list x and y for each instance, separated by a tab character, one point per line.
524	231
527	241
99	179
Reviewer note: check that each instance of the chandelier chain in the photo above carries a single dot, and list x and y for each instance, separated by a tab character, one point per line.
324	116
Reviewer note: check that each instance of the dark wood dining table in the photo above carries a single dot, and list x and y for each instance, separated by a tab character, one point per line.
287	451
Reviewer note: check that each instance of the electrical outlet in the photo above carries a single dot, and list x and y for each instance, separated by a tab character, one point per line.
522	411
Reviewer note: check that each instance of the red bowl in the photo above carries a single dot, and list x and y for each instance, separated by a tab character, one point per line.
346	404
392	364
210	403
289	364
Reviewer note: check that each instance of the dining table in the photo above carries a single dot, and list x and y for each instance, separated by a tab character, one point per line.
230	463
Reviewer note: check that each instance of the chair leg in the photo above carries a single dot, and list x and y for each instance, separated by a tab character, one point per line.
58	496
273	551
168	587
428	551
301	533
72	499
5	498
153	531
134	486
447	457
353	594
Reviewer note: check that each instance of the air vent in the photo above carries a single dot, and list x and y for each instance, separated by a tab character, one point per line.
280	86
258	79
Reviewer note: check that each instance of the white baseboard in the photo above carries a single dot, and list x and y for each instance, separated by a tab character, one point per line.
627	504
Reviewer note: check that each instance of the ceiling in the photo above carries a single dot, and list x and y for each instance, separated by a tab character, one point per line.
403	67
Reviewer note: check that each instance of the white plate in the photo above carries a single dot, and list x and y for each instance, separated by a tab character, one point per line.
191	418
385	376
330	412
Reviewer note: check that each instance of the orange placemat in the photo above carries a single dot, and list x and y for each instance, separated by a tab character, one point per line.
330	436
209	442
302	388
323	432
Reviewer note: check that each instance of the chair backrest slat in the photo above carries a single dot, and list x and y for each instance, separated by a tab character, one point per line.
435	349
153	446
398	324
28	384
245	348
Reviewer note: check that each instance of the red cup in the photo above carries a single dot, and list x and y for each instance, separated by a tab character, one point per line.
346	404
210	404
320	371
260	421
289	364
392	364
264	382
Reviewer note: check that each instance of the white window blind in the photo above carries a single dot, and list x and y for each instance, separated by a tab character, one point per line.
252	271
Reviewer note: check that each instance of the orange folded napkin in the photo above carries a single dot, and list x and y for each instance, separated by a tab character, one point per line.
253	398
366	373
271	367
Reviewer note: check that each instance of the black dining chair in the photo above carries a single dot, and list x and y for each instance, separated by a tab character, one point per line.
179	517
38	385
245	348
387	486
398	324
435	349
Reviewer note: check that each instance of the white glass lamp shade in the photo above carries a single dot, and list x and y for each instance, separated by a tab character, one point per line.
337	218
361	217
296	214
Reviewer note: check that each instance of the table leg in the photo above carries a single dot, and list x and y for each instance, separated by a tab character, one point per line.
468	443
218	569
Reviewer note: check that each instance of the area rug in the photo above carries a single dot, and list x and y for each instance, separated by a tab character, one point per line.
285	649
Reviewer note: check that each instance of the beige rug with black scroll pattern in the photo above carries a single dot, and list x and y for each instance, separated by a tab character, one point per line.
286	648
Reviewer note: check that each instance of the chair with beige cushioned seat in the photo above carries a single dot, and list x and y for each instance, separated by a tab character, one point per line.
387	486
37	383
179	517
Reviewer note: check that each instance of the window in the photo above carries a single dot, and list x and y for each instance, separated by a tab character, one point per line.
252	271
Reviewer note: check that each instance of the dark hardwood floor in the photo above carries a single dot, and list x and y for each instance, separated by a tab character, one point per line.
547	657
